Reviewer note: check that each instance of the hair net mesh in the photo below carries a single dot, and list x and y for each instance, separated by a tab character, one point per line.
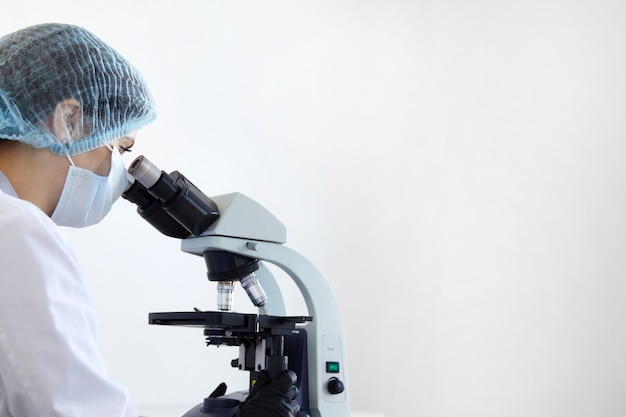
43	65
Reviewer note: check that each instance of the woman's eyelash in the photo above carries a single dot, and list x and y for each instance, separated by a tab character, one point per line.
126	149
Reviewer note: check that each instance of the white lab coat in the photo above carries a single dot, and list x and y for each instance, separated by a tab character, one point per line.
50	363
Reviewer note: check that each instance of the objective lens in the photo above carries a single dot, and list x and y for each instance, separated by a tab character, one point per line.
253	288
225	295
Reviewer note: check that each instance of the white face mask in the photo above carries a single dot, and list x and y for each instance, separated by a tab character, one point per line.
86	197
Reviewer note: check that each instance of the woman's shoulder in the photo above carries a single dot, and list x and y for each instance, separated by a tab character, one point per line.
22	221
17	213
32	245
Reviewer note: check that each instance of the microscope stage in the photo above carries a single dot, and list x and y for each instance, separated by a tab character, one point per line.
229	328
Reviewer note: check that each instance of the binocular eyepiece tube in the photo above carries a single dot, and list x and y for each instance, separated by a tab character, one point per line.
170	202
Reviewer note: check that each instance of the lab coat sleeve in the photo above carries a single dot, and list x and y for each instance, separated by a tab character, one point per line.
50	363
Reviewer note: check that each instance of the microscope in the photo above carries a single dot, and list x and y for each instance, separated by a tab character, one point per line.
237	237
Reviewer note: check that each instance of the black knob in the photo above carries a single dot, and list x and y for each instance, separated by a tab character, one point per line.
335	386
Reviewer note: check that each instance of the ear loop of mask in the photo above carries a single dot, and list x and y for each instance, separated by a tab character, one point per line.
70	159
112	149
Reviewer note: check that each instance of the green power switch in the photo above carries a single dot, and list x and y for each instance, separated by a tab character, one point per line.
332	367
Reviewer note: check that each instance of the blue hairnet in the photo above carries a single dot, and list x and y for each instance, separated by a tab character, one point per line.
43	65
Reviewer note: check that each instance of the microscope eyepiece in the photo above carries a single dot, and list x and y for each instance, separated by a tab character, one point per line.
144	171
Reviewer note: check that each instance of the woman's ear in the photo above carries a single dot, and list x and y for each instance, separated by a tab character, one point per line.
67	120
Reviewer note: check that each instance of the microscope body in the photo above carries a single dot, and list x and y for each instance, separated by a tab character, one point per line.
236	236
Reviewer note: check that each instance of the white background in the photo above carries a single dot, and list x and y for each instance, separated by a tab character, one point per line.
454	168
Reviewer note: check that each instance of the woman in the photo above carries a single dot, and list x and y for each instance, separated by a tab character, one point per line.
69	106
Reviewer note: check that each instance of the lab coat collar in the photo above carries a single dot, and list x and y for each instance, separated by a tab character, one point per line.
6	187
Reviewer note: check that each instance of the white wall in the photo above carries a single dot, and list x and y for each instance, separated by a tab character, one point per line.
455	169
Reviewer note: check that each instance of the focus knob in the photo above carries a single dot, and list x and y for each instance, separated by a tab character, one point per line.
335	386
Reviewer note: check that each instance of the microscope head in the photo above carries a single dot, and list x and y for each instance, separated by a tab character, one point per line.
177	208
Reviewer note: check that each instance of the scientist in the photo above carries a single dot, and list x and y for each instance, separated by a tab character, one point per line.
69	106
